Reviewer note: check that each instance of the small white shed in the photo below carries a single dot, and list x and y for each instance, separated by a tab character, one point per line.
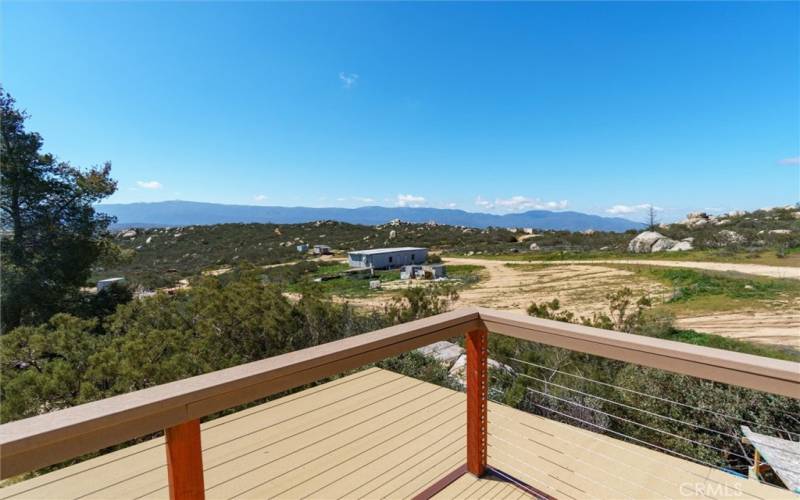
108	283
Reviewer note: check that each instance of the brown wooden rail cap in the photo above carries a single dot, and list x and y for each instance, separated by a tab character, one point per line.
746	370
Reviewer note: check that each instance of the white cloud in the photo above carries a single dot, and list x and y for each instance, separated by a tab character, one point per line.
409	200
630	209
557	205
356	199
260	198
349	80
452	205
519	203
486	204
149	184
793	160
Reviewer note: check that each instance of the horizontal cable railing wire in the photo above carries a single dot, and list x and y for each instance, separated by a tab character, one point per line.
630	407
696	426
654	397
496	393
648	412
633	422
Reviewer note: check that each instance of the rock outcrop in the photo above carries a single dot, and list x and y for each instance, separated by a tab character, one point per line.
454	358
650	241
681	246
663	245
697	219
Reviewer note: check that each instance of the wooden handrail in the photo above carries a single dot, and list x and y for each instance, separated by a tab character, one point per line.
50	438
745	370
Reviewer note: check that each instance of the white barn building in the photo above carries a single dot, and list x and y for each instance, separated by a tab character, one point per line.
387	258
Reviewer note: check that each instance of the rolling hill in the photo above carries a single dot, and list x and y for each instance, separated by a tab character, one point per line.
184	213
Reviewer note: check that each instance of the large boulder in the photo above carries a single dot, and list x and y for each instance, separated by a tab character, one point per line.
444	352
681	246
650	241
696	219
663	244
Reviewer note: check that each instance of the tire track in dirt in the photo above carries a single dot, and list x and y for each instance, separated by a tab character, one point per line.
754	269
582	288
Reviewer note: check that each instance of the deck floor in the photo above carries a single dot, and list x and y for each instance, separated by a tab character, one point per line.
377	434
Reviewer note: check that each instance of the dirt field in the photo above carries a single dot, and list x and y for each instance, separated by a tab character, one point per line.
754	269
781	328
581	287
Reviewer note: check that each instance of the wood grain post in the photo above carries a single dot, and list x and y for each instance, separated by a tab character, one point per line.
477	383
185	462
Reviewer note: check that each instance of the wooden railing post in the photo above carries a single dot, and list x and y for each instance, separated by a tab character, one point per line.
477	383
185	462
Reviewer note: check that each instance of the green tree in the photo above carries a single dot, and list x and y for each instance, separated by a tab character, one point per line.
212	325
51	233
44	366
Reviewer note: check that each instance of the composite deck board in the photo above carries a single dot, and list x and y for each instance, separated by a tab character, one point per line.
378	434
577	460
468	486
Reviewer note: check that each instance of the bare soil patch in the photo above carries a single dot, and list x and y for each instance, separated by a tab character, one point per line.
582	287
579	287
753	269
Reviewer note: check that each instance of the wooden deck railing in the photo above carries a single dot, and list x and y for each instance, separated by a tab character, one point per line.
176	407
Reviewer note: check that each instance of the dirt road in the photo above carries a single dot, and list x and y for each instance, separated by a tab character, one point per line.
581	287
774	327
754	269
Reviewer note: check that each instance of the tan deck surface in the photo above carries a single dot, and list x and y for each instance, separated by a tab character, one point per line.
377	434
468	486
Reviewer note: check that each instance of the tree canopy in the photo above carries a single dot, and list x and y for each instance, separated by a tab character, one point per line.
159	339
51	233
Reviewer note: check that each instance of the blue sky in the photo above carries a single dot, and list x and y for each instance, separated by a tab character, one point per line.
595	107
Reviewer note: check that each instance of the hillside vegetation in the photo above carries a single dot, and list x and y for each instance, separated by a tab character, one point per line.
160	257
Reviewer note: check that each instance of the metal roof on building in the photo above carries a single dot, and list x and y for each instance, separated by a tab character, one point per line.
377	251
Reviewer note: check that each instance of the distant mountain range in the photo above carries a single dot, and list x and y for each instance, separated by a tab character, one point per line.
185	213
